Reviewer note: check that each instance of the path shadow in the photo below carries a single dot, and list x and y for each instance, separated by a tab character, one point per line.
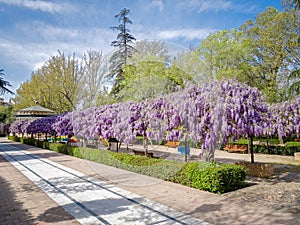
11	209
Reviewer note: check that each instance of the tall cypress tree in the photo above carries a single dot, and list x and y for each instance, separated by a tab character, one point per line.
119	58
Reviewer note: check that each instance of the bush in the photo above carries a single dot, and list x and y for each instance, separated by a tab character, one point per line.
3	134
212	177
60	148
28	141
293	144
274	148
14	138
288	149
34	142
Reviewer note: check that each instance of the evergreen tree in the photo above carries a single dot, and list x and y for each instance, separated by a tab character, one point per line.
119	58
291	4
4	84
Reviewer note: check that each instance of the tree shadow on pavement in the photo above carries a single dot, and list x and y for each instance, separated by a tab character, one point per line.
11	210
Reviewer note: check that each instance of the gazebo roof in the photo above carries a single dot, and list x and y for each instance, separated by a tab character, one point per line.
37	109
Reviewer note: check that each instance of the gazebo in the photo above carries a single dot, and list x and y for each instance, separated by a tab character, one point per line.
34	112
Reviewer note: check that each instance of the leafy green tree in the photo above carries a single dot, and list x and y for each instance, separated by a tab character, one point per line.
294	89
145	79
54	85
293	6
148	73
274	49
5	114
191	67
4	84
119	58
225	54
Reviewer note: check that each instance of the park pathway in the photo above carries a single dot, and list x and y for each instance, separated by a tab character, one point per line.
89	200
94	193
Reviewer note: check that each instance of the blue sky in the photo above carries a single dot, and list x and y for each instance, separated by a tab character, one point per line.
32	31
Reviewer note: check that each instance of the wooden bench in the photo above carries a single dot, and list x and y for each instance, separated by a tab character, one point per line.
172	144
148	154
236	148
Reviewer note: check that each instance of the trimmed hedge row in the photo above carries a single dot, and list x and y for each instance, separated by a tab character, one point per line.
288	149
14	138
210	177
277	150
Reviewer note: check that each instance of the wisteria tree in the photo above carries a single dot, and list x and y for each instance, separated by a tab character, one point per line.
213	113
63	124
285	119
210	115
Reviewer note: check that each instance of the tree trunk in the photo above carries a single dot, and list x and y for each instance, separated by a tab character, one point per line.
281	140
145	145
185	149
267	145
251	148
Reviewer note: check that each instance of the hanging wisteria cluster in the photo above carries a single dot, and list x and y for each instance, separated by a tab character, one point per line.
208	114
284	119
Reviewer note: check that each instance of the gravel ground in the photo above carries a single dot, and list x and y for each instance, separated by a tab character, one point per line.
279	192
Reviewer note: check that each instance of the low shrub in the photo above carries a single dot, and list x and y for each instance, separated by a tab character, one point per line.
28	141
74	151
212	177
14	138
293	144
288	149
34	142
57	147
158	168
3	134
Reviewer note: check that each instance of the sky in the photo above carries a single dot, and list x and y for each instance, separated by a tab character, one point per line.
31	31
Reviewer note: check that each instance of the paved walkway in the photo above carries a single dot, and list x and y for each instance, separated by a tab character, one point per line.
97	194
89	200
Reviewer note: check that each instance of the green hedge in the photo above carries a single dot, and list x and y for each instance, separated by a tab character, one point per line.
271	141
212	177
288	149
204	176
14	138
293	144
34	142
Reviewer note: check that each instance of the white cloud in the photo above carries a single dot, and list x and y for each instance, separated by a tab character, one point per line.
32	54
50	7
187	34
206	5
157	3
